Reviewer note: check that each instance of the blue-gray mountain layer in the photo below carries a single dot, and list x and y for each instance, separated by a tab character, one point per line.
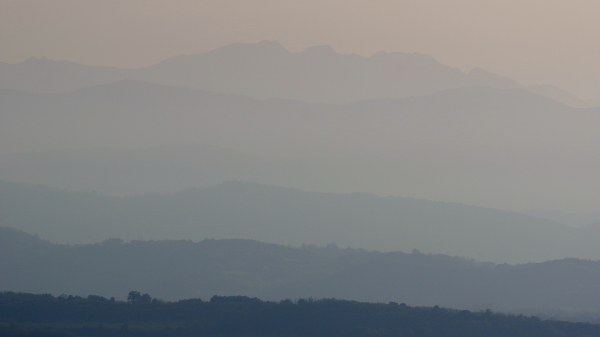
184	269
267	70
237	210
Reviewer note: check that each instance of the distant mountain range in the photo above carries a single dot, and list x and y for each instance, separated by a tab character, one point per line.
237	210
224	144
571	219
135	114
182	269
169	169
267	70
126	172
506	148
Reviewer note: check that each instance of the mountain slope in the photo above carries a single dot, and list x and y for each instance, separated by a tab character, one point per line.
506	149
126	172
267	70
135	114
183	269
49	76
287	216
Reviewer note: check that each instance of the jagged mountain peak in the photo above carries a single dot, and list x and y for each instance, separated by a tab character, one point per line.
268	70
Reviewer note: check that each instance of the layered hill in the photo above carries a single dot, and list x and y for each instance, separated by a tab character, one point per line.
490	147
267	70
130	114
291	217
182	269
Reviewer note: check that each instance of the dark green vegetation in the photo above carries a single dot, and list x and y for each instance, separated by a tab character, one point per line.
45	315
174	270
292	217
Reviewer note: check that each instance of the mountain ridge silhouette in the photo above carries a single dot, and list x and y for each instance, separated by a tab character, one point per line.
267	70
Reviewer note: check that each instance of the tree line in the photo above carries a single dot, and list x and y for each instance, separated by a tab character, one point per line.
23	314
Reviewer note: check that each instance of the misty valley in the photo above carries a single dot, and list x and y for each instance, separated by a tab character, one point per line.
254	191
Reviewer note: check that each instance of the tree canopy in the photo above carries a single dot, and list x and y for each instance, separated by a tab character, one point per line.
24	314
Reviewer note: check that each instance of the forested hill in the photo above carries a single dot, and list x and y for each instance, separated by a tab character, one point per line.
237	210
174	270
45	315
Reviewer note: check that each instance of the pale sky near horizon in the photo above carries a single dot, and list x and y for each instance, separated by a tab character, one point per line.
532	41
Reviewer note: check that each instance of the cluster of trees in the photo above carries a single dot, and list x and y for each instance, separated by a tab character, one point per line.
136	297
24	314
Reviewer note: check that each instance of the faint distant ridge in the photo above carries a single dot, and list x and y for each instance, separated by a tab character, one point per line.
135	112
267	70
43	75
481	77
570	219
455	133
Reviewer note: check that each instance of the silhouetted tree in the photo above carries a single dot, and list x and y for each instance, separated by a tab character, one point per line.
134	297
145	298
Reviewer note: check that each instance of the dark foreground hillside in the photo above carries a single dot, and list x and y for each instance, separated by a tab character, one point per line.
45	315
173	270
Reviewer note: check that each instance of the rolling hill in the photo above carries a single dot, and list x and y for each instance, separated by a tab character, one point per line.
237	210
174	270
502	148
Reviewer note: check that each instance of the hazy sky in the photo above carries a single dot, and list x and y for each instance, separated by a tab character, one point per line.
533	41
